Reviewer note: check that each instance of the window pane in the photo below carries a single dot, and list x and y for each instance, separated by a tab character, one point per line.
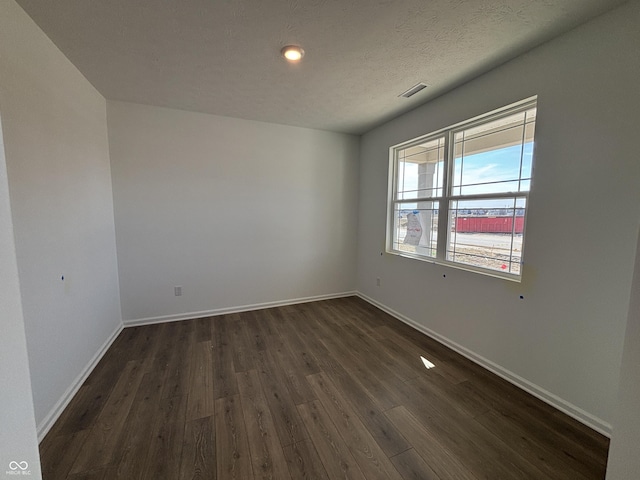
494	157
488	165
415	227
420	170
487	233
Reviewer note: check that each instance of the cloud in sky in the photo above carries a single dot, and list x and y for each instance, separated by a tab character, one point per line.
495	171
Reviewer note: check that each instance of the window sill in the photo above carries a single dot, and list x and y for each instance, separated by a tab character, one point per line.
458	266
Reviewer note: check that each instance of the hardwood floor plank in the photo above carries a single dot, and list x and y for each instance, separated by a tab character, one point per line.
331	447
116	353
357	368
200	402
313	342
305	360
439	459
162	348
202	327
383	431
256	339
377	354
372	460
147	345
287	319
86	405
178	363
105	473
59	453
165	449
232	447
304	462
433	395
198	460
578	434
132	444
407	352
243	354
267	322
486	455
297	364
363	309
84	408
286	419
288	373
267	456
412	467
349	310
330	312
537	418
224	379
101	442
548	455
431	346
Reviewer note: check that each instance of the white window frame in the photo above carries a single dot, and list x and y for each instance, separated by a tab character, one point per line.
447	197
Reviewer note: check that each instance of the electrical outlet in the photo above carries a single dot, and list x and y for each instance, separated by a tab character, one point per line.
378	282
177	290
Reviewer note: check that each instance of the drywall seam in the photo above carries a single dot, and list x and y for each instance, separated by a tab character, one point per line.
61	404
238	309
573	411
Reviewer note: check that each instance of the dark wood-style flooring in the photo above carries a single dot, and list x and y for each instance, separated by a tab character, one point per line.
325	390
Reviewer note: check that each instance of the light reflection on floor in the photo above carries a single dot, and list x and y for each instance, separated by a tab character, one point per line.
427	363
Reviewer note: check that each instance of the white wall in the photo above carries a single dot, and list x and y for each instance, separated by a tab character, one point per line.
18	441
564	339
236	212
624	461
55	134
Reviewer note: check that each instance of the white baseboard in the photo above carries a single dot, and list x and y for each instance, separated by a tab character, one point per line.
48	421
242	308
573	411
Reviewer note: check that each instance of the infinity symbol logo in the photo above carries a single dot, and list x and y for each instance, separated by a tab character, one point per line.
18	465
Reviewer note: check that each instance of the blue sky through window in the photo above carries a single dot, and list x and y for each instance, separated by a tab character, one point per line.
495	171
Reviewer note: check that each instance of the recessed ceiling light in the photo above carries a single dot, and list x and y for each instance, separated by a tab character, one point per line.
292	53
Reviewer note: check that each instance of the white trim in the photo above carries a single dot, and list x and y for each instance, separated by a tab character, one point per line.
238	309
61	404
498	113
570	409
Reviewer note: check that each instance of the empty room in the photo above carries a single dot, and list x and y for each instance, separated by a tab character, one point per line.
319	239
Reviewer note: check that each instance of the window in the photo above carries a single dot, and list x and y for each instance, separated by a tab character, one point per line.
459	196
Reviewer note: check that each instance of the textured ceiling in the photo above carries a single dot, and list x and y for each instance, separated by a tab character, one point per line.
222	56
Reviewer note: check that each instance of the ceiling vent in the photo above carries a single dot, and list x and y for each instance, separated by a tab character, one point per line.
413	90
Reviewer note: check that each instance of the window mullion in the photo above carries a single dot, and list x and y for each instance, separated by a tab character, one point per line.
443	206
